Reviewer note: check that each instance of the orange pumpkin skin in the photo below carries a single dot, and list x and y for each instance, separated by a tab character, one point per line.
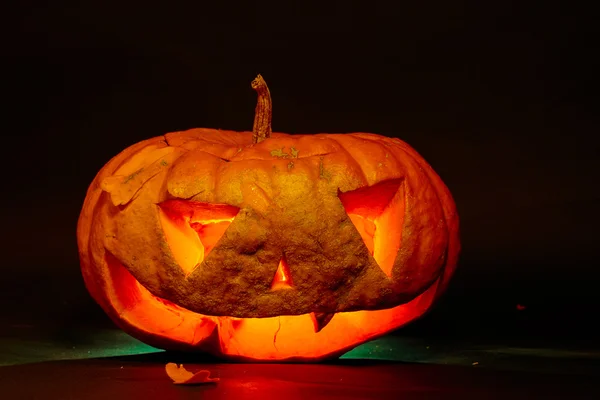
274	200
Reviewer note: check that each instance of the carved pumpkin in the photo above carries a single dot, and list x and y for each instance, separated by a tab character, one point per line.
266	246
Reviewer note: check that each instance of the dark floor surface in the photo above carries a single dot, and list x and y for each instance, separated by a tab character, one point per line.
107	364
66	348
143	377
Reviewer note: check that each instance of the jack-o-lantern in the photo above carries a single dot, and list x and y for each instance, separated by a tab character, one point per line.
266	246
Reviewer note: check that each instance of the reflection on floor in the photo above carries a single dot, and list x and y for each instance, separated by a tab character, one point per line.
23	343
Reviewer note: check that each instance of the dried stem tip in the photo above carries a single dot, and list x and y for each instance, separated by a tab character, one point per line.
263	111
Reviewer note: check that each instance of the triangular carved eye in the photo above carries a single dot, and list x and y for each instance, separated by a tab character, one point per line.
192	229
283	277
377	212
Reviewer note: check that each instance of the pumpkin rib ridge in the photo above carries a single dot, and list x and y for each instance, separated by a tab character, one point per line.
448	206
418	159
92	199
356	163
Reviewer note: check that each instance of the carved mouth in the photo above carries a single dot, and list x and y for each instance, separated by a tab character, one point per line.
275	338
132	294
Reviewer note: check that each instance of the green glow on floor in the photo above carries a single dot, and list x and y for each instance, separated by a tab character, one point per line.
26	345
102	343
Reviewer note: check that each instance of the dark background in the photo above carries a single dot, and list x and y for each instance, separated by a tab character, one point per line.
498	96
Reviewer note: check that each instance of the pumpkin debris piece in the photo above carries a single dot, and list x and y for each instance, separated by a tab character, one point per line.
182	376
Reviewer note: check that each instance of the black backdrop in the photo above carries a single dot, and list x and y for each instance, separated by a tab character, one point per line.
498	96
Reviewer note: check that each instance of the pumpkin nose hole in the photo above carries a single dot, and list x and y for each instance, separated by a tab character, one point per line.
282	278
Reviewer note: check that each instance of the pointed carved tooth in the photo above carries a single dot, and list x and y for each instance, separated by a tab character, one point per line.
321	320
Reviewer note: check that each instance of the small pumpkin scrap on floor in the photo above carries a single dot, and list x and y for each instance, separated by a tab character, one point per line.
182	376
265	246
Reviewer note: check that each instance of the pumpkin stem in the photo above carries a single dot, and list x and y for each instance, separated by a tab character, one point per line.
263	111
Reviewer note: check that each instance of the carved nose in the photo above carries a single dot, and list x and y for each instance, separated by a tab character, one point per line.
282	278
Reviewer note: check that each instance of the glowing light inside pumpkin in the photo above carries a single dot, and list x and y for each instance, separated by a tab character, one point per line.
209	232
283	278
377	212
366	228
136	303
192	229
264	338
